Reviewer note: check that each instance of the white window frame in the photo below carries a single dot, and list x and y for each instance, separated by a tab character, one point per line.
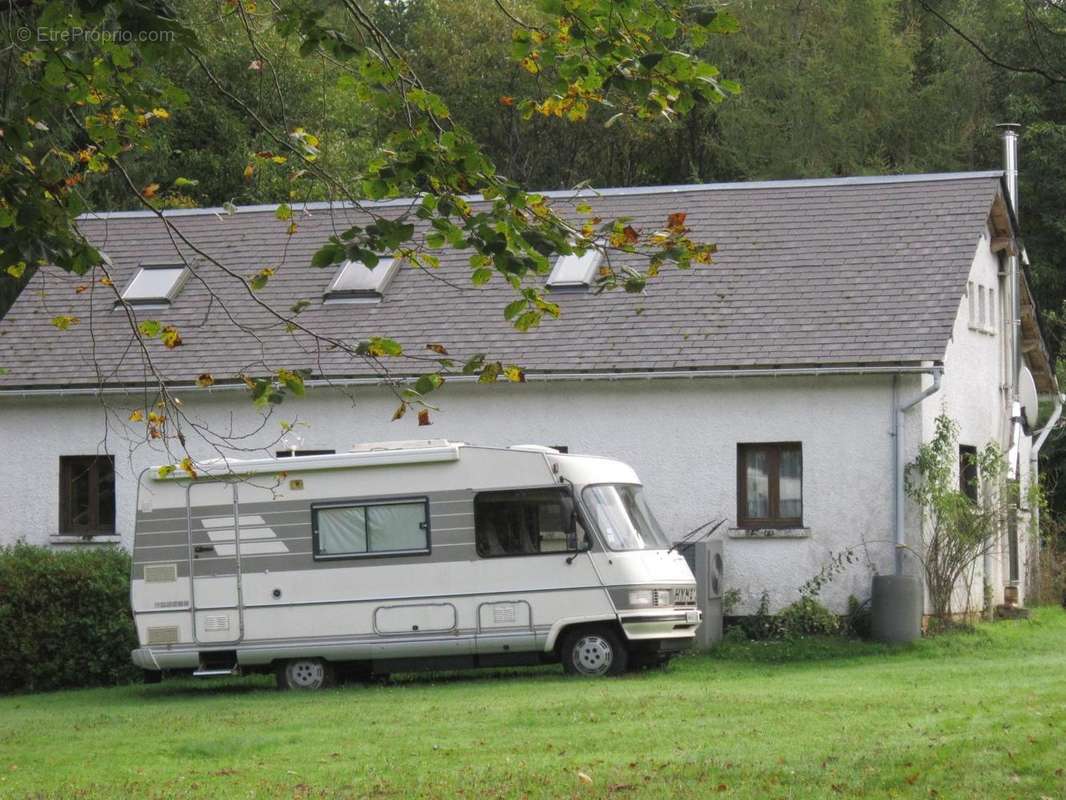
156	301
370	284
574	271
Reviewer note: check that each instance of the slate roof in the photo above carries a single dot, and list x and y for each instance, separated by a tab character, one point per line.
860	271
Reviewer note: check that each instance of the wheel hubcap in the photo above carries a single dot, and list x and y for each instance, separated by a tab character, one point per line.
306	674
593	655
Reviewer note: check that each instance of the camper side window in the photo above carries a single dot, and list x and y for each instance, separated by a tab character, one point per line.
524	522
368	529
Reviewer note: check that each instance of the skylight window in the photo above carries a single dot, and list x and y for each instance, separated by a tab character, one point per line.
574	270
155	285
357	283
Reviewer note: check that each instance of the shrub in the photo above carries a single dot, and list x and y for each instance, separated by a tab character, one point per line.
808	617
65	618
856	622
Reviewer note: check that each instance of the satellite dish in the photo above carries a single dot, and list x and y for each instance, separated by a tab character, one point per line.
1028	397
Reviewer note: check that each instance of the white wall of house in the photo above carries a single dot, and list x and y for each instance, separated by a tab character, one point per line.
680	435
976	390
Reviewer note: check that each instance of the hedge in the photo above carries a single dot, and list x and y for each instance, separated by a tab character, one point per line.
65	618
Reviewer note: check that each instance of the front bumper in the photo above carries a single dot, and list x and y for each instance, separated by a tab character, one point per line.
667	623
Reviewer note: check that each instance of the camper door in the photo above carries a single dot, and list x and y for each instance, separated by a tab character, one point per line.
531	547
214	554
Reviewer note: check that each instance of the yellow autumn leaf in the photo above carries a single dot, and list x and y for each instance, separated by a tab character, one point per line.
187	465
170	337
137	415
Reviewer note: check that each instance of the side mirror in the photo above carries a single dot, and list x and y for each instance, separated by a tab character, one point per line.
568	509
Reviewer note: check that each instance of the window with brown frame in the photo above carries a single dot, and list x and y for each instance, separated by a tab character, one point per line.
86	495
770	485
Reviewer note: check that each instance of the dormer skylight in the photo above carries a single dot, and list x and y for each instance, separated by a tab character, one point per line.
357	283
155	285
574	271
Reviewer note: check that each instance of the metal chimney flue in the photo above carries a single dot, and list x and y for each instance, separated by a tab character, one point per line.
1008	132
1009	136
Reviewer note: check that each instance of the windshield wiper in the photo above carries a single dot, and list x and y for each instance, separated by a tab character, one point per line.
687	538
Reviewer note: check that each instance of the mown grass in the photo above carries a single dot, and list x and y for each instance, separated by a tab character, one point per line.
978	714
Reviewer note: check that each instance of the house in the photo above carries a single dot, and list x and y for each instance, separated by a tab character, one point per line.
765	388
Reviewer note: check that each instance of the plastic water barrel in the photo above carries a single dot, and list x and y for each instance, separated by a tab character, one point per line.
896	608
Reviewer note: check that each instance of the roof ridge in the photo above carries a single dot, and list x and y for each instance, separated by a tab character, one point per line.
797	183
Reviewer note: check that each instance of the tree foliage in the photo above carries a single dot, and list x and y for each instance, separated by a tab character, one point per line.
957	531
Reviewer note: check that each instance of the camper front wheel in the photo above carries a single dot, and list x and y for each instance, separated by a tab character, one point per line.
305	673
592	652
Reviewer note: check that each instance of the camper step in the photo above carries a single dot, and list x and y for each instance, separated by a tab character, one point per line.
216	673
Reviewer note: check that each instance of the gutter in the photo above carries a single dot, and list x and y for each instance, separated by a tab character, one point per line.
94	391
900	411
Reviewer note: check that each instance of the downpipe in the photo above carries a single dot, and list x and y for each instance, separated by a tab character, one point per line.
900	418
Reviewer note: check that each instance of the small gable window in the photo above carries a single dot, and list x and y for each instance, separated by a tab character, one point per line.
155	285
575	271
357	283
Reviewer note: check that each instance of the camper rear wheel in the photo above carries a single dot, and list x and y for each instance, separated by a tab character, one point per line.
593	651
305	674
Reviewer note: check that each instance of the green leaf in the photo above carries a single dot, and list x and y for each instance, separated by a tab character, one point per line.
428	382
473	364
65	321
490	372
327	255
514	308
284	211
377	347
149	328
481	276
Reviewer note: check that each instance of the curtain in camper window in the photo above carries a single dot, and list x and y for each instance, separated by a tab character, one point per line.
342	530
396	527
373	528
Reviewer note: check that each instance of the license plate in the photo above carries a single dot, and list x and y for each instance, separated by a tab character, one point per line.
692	617
685	596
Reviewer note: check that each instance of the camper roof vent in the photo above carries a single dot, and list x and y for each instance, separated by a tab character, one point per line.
408	444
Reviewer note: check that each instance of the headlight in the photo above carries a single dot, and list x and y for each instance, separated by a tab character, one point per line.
640	598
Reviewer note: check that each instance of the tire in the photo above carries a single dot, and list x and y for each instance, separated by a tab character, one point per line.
305	674
593	652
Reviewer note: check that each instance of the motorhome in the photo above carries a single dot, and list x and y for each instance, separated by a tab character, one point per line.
401	556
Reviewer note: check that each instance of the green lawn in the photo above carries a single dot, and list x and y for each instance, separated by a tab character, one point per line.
966	715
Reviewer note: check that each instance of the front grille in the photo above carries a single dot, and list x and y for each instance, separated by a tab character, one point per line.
685	596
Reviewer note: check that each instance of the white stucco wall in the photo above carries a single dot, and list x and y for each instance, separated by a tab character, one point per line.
976	393
680	435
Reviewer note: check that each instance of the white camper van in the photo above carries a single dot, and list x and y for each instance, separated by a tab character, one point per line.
401	556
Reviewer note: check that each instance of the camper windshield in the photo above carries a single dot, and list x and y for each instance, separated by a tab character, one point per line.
621	514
